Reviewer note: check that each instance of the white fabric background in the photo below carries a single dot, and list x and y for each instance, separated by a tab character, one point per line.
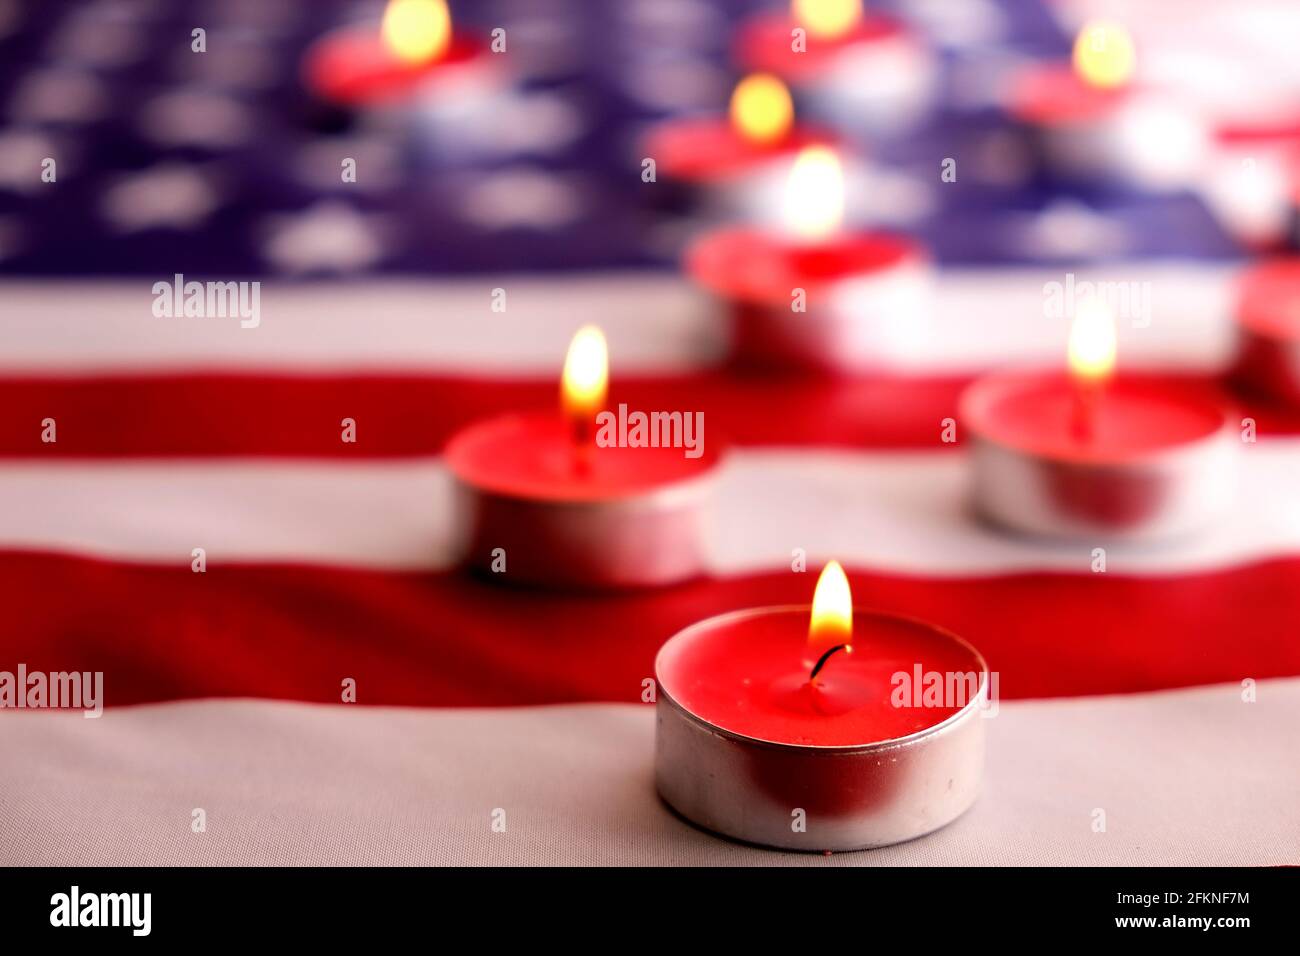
1185	777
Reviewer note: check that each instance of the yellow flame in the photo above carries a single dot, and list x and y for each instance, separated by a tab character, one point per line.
827	19
416	31
832	608
761	109
586	374
814	194
1092	342
1104	55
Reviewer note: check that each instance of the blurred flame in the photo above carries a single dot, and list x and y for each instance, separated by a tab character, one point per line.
761	109
1092	342
416	31
827	18
832	608
814	194
586	374
1104	55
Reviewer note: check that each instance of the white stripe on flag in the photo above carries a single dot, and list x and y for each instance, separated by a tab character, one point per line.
575	782
899	512
980	318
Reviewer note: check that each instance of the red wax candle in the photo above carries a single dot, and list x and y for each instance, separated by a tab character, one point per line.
414	54
758	131
544	501
761	715
1089	119
1268	329
819	298
861	69
1075	455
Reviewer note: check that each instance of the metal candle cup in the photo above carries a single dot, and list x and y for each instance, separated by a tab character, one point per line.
1134	136
738	763
435	102
624	517
866	296
706	166
1158	463
876	77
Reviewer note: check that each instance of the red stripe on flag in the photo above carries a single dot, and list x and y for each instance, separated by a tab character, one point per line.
300	416
162	633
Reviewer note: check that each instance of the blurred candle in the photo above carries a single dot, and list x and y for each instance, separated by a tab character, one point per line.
775	708
1090	119
1092	454
542	502
813	294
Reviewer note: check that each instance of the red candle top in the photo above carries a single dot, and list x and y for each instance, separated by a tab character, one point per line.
759	127
705	150
765	43
749	673
374	64
1089	88
1269	298
1036	413
534	456
584	452
763	267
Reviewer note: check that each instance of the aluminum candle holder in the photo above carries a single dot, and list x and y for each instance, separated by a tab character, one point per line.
855	796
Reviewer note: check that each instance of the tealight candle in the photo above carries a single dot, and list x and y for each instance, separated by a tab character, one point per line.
815	295
1268	329
728	162
863	71
819	728
542	501
1090	120
1090	454
414	57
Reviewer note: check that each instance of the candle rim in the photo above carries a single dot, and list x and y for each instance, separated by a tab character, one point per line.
757	266
670	140
977	399
320	73
703	470
874	746
763	42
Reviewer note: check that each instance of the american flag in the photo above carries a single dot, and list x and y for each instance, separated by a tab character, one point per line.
181	513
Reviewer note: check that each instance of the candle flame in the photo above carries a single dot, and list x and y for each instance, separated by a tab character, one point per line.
1092	342
814	194
416	31
586	375
761	109
1104	55
827	19
832	608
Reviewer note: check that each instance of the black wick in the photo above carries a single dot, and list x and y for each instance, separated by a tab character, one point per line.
821	661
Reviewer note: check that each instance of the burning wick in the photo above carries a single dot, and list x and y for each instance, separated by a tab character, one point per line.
821	661
832	615
583	387
1092	362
